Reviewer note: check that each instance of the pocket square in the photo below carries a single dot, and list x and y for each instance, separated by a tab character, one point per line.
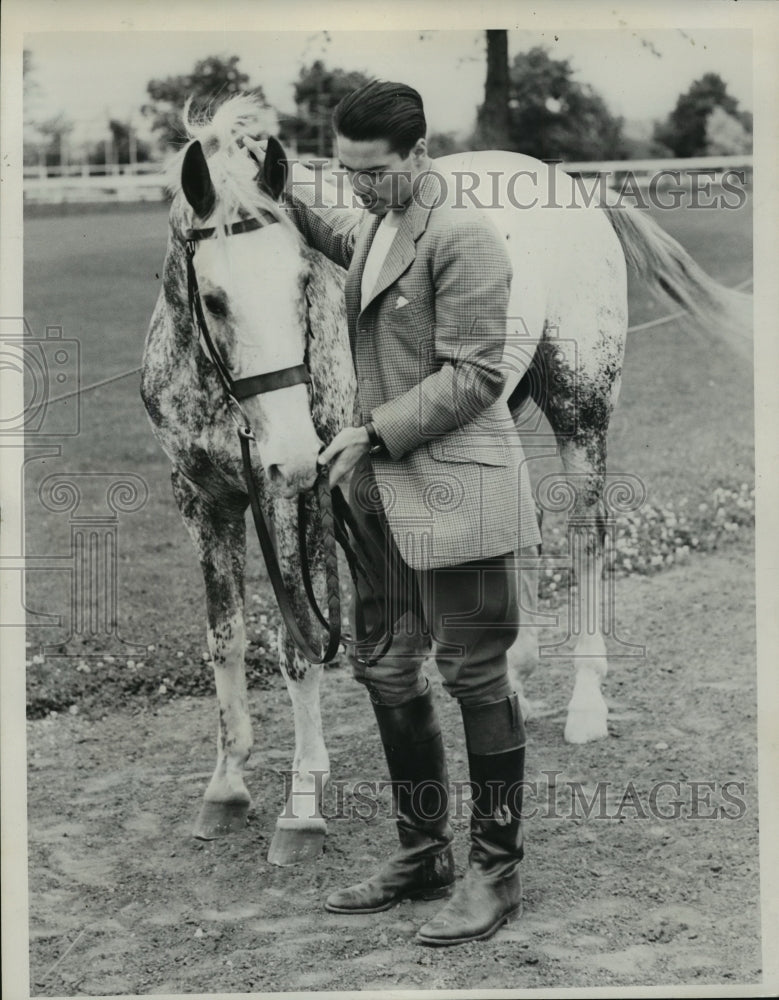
402	301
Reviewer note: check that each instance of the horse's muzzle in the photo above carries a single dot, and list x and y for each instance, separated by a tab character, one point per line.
288	484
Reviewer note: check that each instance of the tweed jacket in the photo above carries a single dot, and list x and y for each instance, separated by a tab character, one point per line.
427	350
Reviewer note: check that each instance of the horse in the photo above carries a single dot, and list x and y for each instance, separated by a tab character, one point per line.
274	303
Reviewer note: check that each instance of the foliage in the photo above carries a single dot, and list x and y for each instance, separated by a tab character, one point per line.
645	149
444	143
554	117
685	129
658	536
317	91
726	134
123	140
645	541
213	79
93	684
30	85
52	134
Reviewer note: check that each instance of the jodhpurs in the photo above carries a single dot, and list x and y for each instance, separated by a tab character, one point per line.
467	614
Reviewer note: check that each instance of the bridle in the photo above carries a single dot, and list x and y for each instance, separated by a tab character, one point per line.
336	519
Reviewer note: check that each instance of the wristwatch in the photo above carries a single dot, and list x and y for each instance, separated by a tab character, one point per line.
375	444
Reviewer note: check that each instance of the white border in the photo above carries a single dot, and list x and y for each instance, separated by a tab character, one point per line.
22	16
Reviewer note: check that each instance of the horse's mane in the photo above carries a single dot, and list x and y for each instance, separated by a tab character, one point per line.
233	171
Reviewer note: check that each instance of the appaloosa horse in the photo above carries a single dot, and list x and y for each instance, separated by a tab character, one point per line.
273	303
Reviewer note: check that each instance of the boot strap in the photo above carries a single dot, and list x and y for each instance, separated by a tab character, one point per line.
495	727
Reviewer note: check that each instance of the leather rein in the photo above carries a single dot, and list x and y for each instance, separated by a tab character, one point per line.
336	519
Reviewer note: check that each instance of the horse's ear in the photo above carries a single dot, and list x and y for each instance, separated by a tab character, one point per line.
196	181
274	168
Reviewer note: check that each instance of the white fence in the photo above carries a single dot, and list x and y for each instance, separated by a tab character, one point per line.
90	182
144	181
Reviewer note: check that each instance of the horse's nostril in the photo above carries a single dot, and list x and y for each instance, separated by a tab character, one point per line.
274	474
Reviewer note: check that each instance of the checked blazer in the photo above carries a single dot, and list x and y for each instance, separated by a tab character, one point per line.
427	350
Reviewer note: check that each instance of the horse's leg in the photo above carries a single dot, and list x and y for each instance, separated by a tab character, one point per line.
219	535
583	365
587	709
523	655
300	828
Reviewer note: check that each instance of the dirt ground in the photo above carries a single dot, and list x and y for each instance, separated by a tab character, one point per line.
124	901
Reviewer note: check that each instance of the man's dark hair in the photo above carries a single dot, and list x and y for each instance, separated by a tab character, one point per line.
382	110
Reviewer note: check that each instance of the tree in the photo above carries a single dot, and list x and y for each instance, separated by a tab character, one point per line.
726	134
126	147
552	116
444	144
32	137
54	132
492	118
317	91
30	85
212	80
685	129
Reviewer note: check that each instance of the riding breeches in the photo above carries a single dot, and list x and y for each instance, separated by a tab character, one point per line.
467	614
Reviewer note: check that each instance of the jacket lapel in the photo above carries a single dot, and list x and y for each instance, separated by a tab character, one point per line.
400	254
403	249
354	274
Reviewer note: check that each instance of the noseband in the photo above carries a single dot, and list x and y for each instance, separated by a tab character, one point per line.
336	519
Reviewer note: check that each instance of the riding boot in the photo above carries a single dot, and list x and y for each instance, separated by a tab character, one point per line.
490	891
423	868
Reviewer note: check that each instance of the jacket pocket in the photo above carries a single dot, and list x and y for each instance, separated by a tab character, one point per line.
460	450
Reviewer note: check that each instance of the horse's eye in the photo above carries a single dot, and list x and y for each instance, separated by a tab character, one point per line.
216	305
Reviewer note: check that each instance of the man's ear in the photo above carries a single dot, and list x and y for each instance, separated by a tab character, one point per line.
419	149
274	168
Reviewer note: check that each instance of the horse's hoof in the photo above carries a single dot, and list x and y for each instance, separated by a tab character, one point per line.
218	819
294	844
586	727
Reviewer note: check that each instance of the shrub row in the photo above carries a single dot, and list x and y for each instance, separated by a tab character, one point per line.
645	541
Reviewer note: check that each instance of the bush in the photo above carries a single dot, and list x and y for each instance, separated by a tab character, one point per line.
95	683
656	537
646	541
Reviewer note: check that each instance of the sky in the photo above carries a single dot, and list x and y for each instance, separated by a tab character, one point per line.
93	75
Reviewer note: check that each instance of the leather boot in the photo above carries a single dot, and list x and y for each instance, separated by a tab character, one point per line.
423	868
491	890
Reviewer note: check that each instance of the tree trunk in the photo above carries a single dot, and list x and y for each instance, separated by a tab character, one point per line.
492	123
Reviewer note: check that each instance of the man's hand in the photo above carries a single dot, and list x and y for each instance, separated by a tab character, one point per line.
344	451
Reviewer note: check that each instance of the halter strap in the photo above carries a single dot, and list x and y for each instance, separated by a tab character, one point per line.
242	388
262	219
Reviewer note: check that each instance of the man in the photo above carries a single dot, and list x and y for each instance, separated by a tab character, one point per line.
442	502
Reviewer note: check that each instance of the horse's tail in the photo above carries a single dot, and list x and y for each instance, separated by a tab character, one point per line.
666	266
